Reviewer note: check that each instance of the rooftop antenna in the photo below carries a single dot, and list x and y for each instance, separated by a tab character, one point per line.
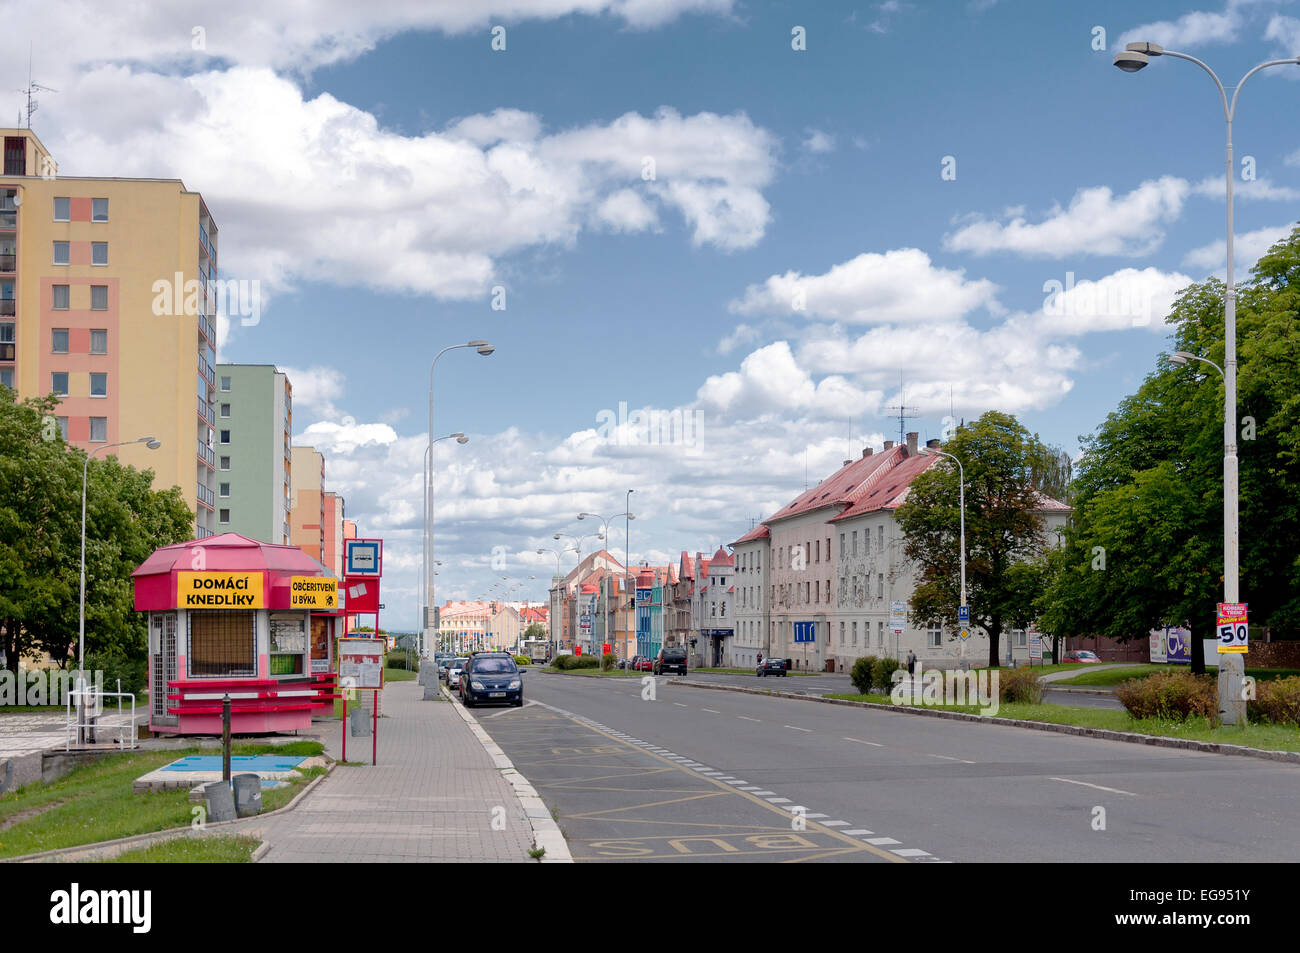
903	417
33	88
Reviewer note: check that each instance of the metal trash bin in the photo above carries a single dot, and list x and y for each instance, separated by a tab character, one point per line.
219	800
360	718
248	794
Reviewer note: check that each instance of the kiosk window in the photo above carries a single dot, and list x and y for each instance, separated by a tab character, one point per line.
288	643
222	643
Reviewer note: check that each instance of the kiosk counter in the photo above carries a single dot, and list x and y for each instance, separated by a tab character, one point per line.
231	616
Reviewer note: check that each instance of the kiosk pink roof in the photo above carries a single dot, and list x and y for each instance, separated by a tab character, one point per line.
156	579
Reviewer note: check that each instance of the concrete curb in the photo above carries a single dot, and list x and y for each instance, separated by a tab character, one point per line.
1053	687
1106	734
103	850
546	833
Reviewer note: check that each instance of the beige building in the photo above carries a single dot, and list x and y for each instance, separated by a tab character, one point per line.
307	520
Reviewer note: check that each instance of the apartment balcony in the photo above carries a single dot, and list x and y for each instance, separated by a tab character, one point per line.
8	264
206	496
8	307
206	371
205	412
207	456
7	352
8	220
205	328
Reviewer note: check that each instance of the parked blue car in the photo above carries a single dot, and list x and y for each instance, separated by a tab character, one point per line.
492	678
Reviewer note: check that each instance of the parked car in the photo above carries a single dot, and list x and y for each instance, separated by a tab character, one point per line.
670	660
772	666
452	674
1083	655
492	677
643	663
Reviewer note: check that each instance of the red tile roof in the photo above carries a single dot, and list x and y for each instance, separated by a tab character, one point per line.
845	487
722	558
758	532
889	488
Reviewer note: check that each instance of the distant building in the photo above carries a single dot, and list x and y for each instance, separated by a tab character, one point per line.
254	440
307	522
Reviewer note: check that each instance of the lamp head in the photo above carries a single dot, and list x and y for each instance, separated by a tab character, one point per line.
1131	62
582	516
485	349
1180	357
631	516
461	438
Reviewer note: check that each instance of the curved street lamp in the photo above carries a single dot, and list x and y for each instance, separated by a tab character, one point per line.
152	444
485	349
425	575
1133	58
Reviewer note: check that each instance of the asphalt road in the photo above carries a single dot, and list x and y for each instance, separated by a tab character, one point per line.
635	775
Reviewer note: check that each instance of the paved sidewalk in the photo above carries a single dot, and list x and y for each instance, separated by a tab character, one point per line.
436	795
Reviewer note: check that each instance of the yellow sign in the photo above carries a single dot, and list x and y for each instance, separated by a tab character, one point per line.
313	592
219	590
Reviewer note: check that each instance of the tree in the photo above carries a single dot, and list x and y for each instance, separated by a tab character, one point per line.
1146	546
535	630
40	539
1004	466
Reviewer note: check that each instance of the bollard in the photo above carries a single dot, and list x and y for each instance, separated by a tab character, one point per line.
225	739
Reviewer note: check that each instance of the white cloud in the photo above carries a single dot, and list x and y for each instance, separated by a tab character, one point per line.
770	379
1293	159
819	142
299	36
1193	29
1248	248
315	389
1125	299
1260	189
901	285
1286	32
1097	222
740	336
317	190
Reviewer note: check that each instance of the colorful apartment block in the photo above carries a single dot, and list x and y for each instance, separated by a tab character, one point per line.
108	300
307	521
254	460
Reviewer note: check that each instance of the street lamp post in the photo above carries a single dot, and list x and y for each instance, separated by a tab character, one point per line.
961	494
152	444
485	349
424	566
577	548
628	517
1232	704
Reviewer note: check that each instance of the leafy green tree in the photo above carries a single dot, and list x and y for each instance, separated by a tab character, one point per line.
40	539
1146	545
535	630
1005	538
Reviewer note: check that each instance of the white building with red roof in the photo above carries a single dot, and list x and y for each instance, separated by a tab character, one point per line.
829	566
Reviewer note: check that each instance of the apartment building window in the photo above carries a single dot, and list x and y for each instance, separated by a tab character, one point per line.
722	609
880	634
63	426
225	463
841	633
98	385
934	635
62	209
223	516
855	632
1021	640
817	551
59	341
99	341
7	377
855	542
828	549
880	538
59	383
61	254
223	489
880	586
225	384
99	297
99	210
98	429
225	436
61	298
841	545
99	253
225	410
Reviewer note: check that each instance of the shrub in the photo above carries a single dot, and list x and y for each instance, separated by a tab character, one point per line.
584	661
882	672
1277	700
1019	685
608	661
1176	695
133	672
863	673
523	660
561	662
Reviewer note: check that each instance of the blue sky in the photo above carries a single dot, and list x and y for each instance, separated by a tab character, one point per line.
796	264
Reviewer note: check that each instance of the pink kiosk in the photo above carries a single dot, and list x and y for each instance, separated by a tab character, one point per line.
231	616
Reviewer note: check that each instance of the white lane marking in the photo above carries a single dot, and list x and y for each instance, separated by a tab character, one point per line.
835	823
858	832
711	711
751	788
1099	787
764	793
747	718
508	711
779	800
874	744
679	705
882	841
948	758
911	852
797	728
